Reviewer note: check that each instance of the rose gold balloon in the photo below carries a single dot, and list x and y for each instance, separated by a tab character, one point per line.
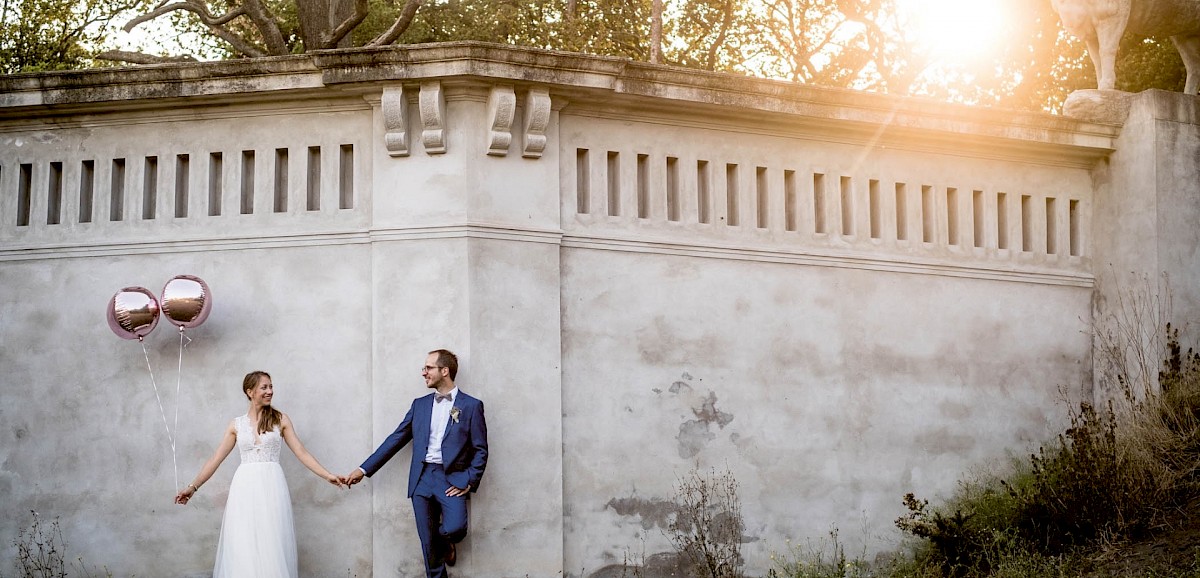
132	313
186	301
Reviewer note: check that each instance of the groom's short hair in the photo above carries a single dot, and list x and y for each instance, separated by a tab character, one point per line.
447	359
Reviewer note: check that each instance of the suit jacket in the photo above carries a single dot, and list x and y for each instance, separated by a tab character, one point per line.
464	446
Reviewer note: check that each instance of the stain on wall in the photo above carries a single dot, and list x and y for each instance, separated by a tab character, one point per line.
653	512
694	434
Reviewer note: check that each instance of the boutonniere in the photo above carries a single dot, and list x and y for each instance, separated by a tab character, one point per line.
454	413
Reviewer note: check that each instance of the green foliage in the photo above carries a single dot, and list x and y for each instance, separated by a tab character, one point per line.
1145	63
1086	488
825	559
41	35
1111	477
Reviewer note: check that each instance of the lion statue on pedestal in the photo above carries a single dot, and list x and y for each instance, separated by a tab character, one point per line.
1102	23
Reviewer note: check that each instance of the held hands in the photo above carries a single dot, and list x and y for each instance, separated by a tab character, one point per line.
352	478
336	480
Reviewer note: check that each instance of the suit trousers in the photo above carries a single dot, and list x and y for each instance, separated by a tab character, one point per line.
441	519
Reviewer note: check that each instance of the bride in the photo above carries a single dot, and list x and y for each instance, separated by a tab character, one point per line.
257	537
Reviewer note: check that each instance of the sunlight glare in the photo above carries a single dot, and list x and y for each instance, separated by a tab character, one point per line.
956	31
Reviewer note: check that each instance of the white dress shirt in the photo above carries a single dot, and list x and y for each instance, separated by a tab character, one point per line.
438	419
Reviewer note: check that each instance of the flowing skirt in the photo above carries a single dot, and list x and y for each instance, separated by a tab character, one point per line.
258	539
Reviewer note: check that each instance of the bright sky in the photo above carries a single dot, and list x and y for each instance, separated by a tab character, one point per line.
958	32
155	37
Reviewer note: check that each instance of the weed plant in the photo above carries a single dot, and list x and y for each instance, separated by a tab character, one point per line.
1121	472
42	552
824	559
1116	475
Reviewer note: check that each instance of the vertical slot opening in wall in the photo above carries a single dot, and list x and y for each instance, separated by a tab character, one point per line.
1026	223
281	181
819	203
927	214
847	193
643	186
703	193
1001	220
116	191
346	177
182	169
762	197
583	175
1051	226
216	183
54	188
672	189
732	192
24	192
977	218
901	212
952	216
247	192
149	187
87	188
873	207
314	179
1073	226
614	183
789	200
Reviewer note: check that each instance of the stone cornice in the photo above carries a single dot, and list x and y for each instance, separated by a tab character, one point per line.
591	85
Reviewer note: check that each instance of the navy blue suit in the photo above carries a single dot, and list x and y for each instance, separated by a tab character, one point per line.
441	519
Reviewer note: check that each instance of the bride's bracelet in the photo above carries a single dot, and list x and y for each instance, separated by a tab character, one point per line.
194	488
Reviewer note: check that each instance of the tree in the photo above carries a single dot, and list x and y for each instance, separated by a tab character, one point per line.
55	34
843	43
251	28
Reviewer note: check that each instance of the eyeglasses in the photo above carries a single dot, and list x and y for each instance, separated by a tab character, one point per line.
430	368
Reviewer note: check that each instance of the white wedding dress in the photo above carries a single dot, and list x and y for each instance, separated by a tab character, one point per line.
258	539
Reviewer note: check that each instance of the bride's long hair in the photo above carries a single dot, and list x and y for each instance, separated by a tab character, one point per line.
269	418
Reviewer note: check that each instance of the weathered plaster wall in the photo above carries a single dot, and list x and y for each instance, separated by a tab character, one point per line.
828	392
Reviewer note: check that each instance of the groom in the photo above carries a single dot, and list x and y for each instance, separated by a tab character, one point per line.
449	454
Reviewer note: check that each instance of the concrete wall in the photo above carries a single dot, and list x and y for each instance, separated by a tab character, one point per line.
840	297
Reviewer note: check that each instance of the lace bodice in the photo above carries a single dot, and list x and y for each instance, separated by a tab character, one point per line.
256	447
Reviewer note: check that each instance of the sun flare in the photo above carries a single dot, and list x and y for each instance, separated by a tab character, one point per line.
957	31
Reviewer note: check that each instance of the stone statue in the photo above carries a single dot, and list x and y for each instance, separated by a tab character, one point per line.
1101	23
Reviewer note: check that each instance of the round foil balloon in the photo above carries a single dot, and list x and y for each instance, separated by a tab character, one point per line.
186	301
132	313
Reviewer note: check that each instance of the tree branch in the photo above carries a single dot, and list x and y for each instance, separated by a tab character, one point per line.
267	27
398	27
189	5
332	39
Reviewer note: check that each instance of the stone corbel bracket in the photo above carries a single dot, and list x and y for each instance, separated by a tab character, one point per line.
537	118
395	121
502	109
432	104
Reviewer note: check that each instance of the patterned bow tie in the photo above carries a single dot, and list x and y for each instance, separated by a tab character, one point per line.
439	397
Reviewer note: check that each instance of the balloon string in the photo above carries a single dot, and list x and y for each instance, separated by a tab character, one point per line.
162	412
178	378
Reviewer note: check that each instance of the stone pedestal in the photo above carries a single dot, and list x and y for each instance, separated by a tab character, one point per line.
1097	105
1147	244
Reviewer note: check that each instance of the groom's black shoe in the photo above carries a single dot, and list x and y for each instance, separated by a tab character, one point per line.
451	556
